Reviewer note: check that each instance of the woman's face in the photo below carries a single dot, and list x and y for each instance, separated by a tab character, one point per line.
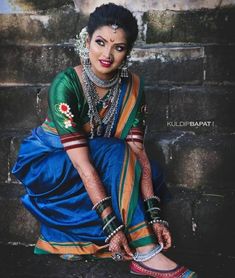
107	50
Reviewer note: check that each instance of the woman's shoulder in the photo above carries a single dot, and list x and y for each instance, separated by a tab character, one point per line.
67	77
67	73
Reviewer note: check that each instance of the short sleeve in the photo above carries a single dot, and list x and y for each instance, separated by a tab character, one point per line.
136	133
64	111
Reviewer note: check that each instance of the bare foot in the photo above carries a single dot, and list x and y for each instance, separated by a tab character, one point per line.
159	261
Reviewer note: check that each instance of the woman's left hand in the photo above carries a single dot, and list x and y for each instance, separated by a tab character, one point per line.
163	235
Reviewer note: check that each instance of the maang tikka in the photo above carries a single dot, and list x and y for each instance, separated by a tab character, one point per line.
114	27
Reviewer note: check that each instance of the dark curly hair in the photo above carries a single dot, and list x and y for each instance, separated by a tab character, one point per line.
108	14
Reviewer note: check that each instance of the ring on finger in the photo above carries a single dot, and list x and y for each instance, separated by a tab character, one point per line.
118	256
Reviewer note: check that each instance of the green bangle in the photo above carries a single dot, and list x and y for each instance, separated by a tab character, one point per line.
102	206
151	203
151	208
153	213
110	223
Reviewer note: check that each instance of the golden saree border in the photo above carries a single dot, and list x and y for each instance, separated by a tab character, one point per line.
130	106
129	186
81	248
140	235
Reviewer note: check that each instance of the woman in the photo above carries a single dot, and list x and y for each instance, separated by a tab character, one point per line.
87	176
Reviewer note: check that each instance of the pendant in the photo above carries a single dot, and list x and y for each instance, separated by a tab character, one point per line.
99	130
105	104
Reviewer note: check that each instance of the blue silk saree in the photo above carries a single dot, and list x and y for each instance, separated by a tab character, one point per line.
55	193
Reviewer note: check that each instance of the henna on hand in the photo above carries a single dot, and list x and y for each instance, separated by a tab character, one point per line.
119	243
163	235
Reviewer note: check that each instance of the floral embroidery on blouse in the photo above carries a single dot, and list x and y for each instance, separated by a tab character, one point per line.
65	109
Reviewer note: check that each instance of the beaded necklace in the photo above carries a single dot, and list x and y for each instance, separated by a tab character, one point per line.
101	126
103	83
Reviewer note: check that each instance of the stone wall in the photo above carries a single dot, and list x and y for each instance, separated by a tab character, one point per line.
185	52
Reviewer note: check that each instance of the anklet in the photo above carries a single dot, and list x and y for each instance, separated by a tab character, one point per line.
142	257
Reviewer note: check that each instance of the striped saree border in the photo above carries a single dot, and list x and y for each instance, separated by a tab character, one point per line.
130	106
81	248
141	235
129	186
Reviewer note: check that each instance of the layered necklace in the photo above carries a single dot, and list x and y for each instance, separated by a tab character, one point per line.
101	126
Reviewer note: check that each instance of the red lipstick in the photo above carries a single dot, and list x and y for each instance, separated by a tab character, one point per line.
105	63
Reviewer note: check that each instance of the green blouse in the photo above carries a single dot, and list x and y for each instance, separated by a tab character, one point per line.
67	113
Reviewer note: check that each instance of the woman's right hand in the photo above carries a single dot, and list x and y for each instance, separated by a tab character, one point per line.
119	244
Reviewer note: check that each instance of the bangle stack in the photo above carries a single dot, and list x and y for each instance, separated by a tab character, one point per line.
152	208
111	225
153	211
102	205
164	222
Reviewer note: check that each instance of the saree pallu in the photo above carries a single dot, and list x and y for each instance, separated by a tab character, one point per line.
56	196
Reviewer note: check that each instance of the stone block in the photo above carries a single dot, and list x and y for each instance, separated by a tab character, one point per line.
34	64
201	109
32	6
20	106
17	224
144	5
9	147
219	66
42	103
200	26
172	64
201	221
14	149
54	26
213	214
157	100
179	213
4	157
39	64
194	162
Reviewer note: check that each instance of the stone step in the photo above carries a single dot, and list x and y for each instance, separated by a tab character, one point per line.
200	109
197	162
34	63
158	64
32	6
185	64
205	25
45	23
43	266
17	224
24	107
197	219
51	26
19	262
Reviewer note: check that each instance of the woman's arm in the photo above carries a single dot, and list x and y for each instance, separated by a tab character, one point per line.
160	230
82	163
96	191
146	179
